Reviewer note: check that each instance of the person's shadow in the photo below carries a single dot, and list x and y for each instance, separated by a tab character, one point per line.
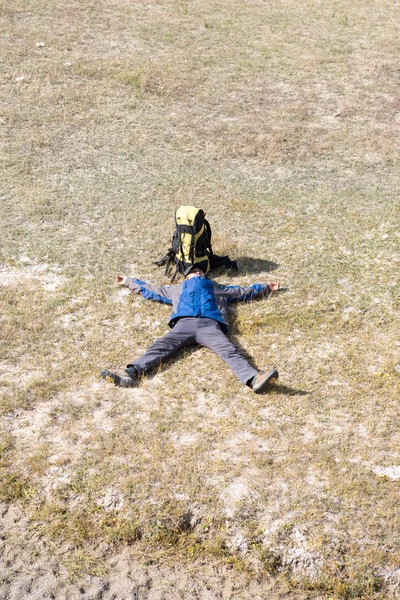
233	336
287	391
276	387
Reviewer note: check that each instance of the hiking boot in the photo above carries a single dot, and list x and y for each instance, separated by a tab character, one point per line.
263	380
120	377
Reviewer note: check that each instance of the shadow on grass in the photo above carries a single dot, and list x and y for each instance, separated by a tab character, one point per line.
247	264
287	391
275	388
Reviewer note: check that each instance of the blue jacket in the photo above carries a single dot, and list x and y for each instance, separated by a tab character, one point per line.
198	297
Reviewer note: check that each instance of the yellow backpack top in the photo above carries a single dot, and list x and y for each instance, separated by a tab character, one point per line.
191	244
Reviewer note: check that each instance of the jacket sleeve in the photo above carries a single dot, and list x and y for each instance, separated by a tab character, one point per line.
150	292
235	293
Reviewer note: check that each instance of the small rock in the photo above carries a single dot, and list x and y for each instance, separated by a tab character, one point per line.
397	368
40	44
67	64
18	79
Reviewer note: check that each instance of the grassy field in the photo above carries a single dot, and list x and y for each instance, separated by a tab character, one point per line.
281	119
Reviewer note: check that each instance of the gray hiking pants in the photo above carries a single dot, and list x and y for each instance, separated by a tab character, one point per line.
193	330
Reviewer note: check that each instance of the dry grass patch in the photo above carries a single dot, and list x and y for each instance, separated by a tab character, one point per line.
281	120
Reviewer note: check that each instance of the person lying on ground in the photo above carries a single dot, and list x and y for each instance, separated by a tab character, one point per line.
200	316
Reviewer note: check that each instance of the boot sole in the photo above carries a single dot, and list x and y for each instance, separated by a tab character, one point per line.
270	379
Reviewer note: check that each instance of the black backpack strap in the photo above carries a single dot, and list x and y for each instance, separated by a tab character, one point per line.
169	257
207	230
175	242
191	251
177	270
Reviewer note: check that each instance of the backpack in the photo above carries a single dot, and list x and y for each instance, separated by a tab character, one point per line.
191	244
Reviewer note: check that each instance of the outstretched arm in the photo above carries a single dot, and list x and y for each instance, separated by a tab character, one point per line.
234	293
148	291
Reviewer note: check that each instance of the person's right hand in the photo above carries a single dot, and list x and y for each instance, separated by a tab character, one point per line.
121	279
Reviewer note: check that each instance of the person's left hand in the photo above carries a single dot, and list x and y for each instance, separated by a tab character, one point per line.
274	287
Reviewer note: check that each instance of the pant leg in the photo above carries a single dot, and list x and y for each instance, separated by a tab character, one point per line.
181	335
209	334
